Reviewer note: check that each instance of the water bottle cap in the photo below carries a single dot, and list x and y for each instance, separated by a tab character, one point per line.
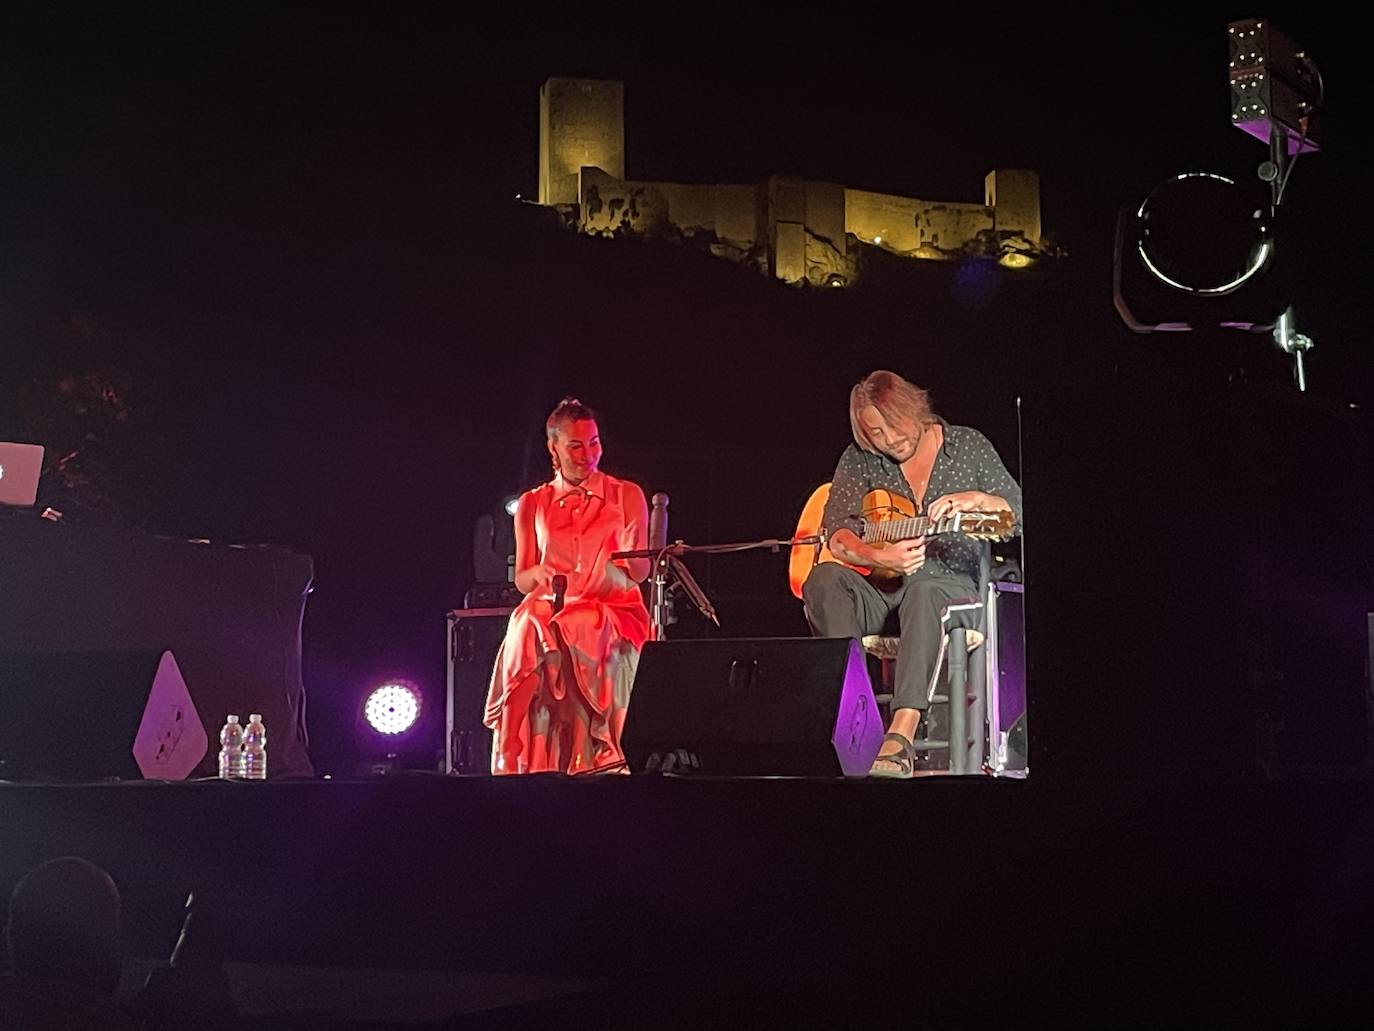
255	717
231	719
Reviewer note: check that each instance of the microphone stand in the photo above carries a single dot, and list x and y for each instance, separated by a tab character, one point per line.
668	561
659	602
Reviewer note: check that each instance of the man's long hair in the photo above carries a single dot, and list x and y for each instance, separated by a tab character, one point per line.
896	399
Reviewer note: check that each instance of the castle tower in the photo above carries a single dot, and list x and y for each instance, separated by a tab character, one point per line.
1014	196
581	122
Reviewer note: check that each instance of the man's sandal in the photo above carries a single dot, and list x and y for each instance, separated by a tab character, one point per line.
900	764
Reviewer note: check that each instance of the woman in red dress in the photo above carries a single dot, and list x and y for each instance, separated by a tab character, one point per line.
562	678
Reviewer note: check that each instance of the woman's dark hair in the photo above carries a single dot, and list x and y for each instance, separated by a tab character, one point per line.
570	409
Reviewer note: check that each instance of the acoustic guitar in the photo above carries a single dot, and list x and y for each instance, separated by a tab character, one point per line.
887	517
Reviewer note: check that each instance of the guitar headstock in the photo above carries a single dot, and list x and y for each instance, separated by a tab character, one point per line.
987	526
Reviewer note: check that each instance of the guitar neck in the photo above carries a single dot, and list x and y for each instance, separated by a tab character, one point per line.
912	526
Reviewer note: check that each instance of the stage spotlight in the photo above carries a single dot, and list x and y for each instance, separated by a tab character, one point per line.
394	729
1198	251
1199	233
1276	88
493	557
393	707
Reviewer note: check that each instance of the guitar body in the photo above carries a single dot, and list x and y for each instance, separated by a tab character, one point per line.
887	517
805	557
878	506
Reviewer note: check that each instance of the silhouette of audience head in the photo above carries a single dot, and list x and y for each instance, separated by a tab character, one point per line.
63	925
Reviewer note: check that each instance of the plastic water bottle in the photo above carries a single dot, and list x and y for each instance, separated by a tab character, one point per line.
255	749
231	749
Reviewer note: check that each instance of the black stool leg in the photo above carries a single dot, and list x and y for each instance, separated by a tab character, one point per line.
978	710
956	657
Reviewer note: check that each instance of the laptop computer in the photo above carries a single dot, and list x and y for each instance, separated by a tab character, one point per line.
20	467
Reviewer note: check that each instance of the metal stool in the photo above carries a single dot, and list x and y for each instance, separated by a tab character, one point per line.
962	637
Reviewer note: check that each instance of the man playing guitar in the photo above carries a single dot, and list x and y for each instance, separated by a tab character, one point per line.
903	449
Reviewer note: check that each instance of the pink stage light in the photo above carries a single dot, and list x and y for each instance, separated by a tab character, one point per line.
392	707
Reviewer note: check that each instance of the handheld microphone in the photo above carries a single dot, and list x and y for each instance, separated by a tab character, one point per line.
560	588
658	522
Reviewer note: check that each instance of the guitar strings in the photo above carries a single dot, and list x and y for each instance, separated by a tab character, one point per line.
918	526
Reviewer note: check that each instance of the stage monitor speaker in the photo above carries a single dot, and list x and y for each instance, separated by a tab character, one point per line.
474	637
781	706
89	716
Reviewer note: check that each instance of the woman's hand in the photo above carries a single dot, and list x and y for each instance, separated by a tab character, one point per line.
536	579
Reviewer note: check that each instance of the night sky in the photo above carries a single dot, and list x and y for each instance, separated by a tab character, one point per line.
291	240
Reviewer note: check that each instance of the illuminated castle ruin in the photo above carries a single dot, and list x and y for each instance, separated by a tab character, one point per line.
799	230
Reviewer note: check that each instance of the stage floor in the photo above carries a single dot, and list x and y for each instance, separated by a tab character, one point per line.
1097	901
